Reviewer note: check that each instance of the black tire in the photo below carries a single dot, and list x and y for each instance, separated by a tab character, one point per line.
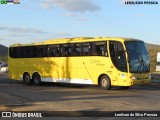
105	82
125	87
36	79
26	79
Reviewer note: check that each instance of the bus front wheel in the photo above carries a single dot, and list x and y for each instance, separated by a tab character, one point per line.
26	79
105	82
36	79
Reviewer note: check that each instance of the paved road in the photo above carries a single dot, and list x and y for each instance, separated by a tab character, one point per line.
15	96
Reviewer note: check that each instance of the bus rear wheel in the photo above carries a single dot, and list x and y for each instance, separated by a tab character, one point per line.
105	82
36	79
26	79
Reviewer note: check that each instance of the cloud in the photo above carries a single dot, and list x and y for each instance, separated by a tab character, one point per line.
62	34
21	30
26	6
31	6
141	15
70	14
83	19
2	39
12	35
77	16
71	5
17	35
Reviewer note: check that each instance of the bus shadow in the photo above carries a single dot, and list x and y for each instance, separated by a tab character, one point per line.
97	87
153	86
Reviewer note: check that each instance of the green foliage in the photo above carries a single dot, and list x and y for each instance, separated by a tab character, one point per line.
4	58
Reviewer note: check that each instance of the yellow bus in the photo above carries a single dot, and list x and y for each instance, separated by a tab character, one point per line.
100	61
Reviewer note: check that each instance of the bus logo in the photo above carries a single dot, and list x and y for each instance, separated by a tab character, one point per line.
6	114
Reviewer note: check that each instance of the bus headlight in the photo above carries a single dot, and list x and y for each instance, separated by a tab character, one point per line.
133	78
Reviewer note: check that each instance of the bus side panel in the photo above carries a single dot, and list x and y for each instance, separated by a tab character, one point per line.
85	70
103	65
14	69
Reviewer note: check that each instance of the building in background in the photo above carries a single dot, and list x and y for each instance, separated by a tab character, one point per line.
3	67
158	62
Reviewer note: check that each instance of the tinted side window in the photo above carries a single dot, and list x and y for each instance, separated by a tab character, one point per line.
117	55
121	57
78	50
14	52
57	50
68	49
99	49
19	52
52	50
40	51
71	49
86	49
65	50
11	53
62	50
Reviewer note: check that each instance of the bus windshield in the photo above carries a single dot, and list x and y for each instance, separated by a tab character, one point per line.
138	57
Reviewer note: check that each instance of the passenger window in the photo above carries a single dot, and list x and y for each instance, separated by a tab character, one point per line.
19	52
86	49
14	52
41	51
112	49
30	52
70	49
35	51
26	52
57	50
78	50
11	52
99	49
65	50
51	51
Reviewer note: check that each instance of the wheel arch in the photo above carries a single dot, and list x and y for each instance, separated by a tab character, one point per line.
99	78
36	72
26	73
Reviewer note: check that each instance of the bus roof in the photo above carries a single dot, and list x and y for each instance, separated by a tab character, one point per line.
76	40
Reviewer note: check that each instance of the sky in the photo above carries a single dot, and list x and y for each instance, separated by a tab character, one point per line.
38	20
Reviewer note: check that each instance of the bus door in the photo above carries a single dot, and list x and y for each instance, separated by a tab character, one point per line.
118	58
